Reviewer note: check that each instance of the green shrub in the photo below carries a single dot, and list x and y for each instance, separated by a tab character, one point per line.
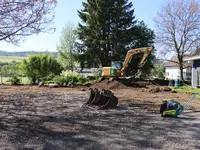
14	80
96	75
69	78
68	73
72	79
82	79
60	80
40	67
50	77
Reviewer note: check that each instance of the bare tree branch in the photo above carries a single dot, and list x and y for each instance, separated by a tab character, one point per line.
178	28
21	18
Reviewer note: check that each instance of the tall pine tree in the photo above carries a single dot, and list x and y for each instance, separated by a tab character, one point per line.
108	30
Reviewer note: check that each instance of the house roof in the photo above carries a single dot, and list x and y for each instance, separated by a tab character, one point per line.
173	62
197	57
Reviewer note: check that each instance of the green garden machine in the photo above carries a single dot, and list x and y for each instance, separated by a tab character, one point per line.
173	108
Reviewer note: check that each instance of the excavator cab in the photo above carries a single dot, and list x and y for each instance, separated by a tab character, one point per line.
117	64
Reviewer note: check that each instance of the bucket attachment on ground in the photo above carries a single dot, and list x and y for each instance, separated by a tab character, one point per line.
101	99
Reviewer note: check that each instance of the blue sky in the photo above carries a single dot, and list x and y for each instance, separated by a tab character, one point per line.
66	10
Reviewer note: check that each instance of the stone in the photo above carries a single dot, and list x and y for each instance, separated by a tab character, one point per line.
40	84
53	85
83	89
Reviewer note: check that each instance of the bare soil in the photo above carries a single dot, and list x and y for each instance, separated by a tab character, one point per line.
145	93
54	118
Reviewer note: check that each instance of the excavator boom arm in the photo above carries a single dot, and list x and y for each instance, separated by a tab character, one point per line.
130	53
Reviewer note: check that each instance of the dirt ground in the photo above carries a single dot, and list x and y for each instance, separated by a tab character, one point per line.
54	118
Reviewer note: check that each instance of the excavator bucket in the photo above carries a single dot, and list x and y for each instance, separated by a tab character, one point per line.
101	99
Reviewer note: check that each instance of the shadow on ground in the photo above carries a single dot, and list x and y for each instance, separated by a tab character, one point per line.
57	121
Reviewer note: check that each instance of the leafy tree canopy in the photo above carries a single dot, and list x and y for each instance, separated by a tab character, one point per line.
108	30
38	67
21	18
66	48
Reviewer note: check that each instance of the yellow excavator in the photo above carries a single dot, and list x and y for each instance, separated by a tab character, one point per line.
117	68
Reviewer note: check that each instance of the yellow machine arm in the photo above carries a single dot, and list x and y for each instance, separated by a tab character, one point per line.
130	53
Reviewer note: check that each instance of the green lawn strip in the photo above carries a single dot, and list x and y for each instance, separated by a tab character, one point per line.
9	59
24	80
186	89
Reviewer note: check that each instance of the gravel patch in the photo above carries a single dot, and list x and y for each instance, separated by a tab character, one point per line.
58	121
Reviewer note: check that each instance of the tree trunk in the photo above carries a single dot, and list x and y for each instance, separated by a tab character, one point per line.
181	71
180	58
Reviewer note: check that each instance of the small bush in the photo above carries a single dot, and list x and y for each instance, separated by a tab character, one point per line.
96	75
69	74
40	67
50	77
69	78
60	80
14	80
82	80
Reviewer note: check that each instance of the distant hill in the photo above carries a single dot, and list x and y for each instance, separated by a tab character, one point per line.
24	53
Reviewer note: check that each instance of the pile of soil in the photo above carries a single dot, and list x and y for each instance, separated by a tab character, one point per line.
159	89
124	84
109	85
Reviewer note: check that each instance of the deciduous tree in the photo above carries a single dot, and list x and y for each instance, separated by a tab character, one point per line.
66	47
21	18
38	67
10	69
178	28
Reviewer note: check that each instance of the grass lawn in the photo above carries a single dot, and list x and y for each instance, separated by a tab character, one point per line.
189	89
24	80
9	59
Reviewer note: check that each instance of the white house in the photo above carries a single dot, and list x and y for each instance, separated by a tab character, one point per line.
195	61
172	71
